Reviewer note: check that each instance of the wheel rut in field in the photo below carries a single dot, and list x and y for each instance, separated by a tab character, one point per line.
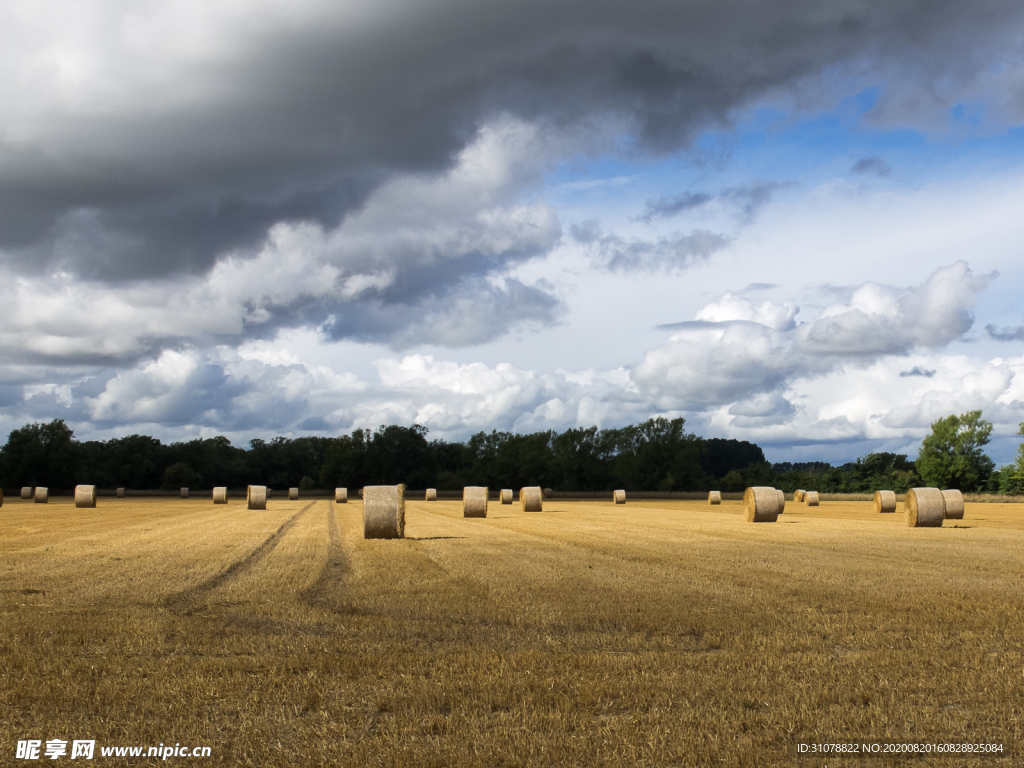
323	592
185	601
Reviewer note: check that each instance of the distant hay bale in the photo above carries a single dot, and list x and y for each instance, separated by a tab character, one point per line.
782	501
341	495
532	499
619	497
924	508
41	495
474	501
184	493
431	494
548	493
256	497
506	495
798	494
384	512
954	504
119	493
714	497
293	494
811	498
761	504
26	491
884	501
220	495
85	496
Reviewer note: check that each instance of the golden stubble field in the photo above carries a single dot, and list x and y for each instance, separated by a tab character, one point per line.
654	634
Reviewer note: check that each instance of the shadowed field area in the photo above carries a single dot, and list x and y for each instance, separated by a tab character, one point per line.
656	633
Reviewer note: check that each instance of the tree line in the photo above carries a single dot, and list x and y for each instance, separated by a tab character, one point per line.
656	455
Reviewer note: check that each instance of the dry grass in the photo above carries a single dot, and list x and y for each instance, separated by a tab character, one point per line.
663	633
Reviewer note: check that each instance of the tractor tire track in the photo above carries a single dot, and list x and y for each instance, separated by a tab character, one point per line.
323	592
186	601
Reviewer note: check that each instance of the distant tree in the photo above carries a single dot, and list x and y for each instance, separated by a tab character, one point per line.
658	455
1011	477
885	472
720	456
181	475
41	454
952	457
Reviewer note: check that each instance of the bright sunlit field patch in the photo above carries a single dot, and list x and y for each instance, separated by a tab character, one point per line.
655	633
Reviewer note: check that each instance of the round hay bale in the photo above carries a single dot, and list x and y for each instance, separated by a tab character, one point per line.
619	497
714	497
85	496
26	491
884	501
954	504
548	493
761	504
184	493
782	501
256	497
220	495
341	495
532	499
293	494
811	498
798	494
119	493
506	495
384	512
474	501
431	494
924	508
41	495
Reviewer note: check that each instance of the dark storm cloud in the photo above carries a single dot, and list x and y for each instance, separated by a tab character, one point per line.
298	119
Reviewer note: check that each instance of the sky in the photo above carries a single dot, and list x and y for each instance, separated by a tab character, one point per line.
795	223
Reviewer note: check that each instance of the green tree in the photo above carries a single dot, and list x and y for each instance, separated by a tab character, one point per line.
1011	477
41	454
952	457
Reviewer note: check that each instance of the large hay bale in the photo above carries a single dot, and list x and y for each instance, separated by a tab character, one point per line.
506	495
293	494
220	495
474	501
811	498
26	491
431	494
619	497
798	495
761	504
714	497
384	512
85	496
341	495
884	501
924	508
954	504
532	499
41	495
119	493
184	493
256	497
782	501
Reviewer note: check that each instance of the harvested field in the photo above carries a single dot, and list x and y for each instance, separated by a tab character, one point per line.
661	633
